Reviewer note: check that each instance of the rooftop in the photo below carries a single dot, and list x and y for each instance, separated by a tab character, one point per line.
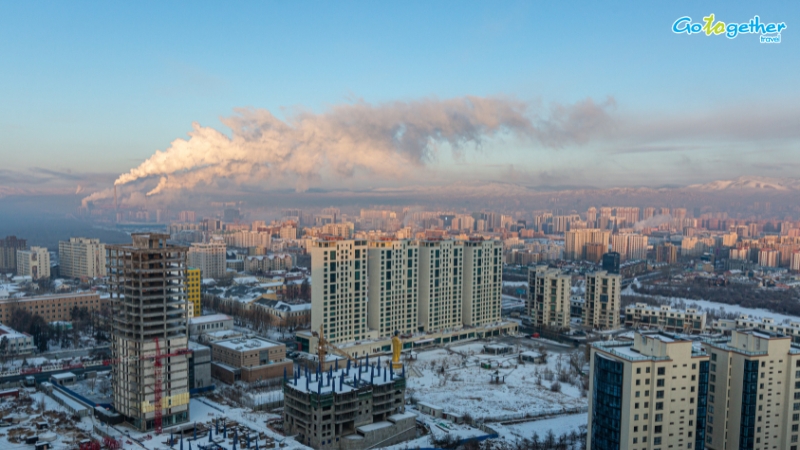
247	344
209	318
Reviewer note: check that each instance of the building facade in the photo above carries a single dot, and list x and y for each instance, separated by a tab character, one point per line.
34	263
209	258
647	394
147	282
549	297
352	408
81	258
194	307
393	269
441	266
602	307
248	359
642	315
52	308
339	288
8	253
483	273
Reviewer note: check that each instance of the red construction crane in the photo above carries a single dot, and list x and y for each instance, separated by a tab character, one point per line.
157	391
157	388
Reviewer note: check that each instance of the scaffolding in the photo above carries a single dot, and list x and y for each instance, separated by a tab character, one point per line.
147	282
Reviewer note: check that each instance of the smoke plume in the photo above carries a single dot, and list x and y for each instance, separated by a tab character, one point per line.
387	140
652	222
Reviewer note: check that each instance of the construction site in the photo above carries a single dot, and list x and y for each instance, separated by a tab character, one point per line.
361	405
149	341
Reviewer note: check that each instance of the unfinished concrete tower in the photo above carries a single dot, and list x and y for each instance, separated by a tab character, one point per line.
147	281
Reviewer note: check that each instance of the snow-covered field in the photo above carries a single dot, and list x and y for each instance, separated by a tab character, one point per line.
558	425
465	387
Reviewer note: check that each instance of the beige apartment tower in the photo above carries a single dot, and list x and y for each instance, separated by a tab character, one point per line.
549	297
575	242
339	288
34	263
147	282
441	265
647	394
601	309
753	392
393	268
82	258
209	258
483	273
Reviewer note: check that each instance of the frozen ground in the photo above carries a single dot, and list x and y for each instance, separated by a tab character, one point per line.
203	410
559	425
465	387
40	408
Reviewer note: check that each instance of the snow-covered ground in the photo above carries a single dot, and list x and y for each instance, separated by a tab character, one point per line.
559	425
466	387
203	410
61	428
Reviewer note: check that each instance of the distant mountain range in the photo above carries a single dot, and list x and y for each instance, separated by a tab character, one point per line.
750	183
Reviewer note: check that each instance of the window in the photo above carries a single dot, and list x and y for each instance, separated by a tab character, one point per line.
662	370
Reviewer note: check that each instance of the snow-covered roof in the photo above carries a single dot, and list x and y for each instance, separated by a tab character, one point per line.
209	318
63	376
244	345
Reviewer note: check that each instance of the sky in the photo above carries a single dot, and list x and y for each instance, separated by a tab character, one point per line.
380	94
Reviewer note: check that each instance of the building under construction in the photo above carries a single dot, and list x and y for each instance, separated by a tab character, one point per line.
147	281
358	407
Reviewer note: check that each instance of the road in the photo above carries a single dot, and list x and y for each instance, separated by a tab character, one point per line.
527	342
45	376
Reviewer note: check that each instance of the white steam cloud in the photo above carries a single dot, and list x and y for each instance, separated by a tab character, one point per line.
652	222
389	140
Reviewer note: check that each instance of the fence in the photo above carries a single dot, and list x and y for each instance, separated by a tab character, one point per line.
529	417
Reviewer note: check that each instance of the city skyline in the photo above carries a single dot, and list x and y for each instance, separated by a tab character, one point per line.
610	97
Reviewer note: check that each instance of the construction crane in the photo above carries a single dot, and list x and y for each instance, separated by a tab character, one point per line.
157	358
397	349
323	346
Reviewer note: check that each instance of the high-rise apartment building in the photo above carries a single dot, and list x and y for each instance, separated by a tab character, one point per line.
595	251
549	297
339	288
602	307
611	262
209	258
8	253
768	257
575	241
193	281
34	263
441	266
647	394
393	268
667	253
82	257
753	392
147	283
372	289
482	282
664	391
630	246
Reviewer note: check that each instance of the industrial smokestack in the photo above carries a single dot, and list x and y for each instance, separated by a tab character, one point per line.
116	205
